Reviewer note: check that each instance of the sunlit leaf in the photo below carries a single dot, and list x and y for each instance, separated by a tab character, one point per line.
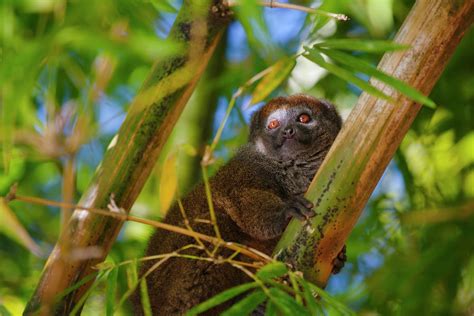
10	226
272	270
273	79
221	298
163	6
105	265
365	67
168	183
362	45
4	311
344	74
246	305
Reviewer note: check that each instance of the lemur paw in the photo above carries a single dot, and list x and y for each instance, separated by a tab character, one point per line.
299	207
339	261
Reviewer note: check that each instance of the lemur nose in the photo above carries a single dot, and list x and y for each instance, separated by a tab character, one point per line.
289	132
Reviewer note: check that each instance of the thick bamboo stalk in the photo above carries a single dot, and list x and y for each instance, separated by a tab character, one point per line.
130	157
371	135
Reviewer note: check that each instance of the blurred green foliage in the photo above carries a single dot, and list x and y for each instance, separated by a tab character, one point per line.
70	68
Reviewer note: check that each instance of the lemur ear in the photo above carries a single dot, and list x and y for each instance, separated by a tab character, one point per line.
332	113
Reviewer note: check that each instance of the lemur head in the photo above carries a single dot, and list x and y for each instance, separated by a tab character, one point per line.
297	126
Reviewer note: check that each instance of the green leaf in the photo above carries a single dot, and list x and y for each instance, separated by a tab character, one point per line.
12	227
327	298
286	303
163	6
4	311
247	304
270	309
110	293
346	75
362	45
221	298
279	72
272	270
132	275
309	298
145	299
78	307
369	69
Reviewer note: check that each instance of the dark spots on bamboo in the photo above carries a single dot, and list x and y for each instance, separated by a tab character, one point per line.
184	31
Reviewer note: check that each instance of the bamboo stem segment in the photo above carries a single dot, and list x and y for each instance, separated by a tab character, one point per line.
130	156
371	135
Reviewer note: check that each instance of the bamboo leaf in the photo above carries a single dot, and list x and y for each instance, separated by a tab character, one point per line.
221	298
286	303
270	309
346	75
365	67
11	226
310	299
362	45
78	307
4	311
326	297
145	299
168	183
273	79
163	6
246	305
272	270
132	275
110	293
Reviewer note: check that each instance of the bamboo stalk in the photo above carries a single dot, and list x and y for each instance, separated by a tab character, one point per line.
130	156
371	135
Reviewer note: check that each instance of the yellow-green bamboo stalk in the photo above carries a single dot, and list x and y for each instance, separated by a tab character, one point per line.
130	157
371	135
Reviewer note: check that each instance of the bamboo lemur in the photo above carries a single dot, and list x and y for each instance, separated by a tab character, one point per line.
254	196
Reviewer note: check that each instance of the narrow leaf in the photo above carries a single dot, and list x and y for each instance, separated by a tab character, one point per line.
246	305
163	6
132	275
221	298
4	311
362	45
145	299
327	298
11	226
272	270
310	299
270	309
286	303
369	69
168	183
273	79
110	293
346	75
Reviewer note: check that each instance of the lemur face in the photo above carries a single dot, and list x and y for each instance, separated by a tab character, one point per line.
294	127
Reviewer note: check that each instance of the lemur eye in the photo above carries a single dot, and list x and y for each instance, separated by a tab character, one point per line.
304	118
273	124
